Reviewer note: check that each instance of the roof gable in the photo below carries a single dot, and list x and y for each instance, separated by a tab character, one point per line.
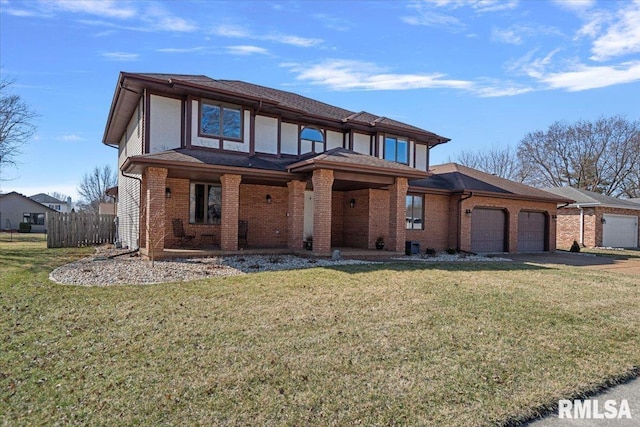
17	196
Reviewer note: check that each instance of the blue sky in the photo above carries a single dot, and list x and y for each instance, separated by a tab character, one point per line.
480	72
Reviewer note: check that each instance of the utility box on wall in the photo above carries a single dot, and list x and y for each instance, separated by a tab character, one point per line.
411	247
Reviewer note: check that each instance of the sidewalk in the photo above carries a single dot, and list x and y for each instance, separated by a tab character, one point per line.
629	391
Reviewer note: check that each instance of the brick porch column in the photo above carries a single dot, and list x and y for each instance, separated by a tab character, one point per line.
295	221
397	214
322	184
230	207
154	210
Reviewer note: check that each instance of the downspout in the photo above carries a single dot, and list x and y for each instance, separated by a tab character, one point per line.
581	224
460	219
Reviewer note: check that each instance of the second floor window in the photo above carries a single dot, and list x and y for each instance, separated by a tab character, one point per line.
220	120
396	149
313	138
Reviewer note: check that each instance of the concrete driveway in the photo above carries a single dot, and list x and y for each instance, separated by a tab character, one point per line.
617	263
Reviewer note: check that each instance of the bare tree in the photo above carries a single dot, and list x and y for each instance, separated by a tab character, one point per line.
16	123
94	185
599	156
500	161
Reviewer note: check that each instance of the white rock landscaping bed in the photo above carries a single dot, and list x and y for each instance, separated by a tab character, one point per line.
104	271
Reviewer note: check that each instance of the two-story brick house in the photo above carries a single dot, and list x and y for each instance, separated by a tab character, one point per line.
212	153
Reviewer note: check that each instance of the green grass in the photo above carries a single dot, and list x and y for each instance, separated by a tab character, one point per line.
464	344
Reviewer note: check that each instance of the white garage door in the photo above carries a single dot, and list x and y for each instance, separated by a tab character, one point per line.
620	231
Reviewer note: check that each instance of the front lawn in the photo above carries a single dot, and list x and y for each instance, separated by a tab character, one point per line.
444	344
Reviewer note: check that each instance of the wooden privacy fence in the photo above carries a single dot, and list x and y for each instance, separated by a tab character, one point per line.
66	230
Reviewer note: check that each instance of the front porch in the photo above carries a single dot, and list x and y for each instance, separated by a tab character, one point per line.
340	199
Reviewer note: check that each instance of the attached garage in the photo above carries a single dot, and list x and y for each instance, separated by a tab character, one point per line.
532	229
488	230
619	231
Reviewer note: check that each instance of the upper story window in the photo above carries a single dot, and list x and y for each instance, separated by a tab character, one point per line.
313	139
220	120
396	149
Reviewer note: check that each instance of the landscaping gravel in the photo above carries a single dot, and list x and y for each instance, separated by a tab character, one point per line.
118	267
102	270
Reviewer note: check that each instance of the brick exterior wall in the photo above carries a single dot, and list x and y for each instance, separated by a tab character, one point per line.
356	219
569	225
295	220
230	202
437	216
155	180
267	223
339	206
378	217
280	224
397	224
322	197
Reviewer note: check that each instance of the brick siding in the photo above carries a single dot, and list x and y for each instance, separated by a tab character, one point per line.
569	225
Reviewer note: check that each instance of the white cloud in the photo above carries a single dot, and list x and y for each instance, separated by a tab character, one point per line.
332	22
622	37
235	31
358	75
122	14
104	8
120	56
584	77
246	50
575	5
71	137
515	34
181	50
507	35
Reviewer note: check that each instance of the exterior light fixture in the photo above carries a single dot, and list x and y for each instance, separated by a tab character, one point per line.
269	199
602	220
167	193
468	211
352	203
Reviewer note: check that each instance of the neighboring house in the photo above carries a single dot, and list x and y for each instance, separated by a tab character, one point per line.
52	202
110	208
595	220
16	208
211	153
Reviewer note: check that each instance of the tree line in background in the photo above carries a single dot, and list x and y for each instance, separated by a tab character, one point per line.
602	156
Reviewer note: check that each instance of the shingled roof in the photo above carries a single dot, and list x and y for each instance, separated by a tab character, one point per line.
269	97
589	198
460	179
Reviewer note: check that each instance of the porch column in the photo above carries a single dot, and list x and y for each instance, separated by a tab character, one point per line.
154	210
397	214
295	220
322	184
230	208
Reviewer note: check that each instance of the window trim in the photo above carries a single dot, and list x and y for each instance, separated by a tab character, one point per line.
397	138
413	196
222	106
217	221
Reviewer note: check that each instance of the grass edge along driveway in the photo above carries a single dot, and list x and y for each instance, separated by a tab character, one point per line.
447	344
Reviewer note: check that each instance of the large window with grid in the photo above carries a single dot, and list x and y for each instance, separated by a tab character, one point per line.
220	120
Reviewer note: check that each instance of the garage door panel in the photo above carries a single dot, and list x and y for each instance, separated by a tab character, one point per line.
531	231
488	230
620	231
